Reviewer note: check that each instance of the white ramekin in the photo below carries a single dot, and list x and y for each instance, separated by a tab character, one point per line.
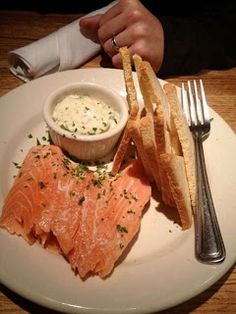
86	147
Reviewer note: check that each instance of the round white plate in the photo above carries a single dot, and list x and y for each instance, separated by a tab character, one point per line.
160	269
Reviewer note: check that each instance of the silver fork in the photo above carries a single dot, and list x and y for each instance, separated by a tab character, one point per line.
209	245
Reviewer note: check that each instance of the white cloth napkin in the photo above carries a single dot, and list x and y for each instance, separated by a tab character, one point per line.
62	50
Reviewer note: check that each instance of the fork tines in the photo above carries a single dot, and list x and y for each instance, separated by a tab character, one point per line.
195	108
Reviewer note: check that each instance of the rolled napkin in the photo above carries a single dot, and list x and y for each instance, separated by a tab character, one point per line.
62	50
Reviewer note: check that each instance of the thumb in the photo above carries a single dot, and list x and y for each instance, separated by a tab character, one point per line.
89	27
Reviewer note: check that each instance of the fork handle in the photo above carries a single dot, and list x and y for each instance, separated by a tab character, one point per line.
209	243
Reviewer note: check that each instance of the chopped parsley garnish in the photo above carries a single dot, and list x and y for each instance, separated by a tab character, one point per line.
134	198
63	127
66	162
81	200
115	120
46	155
130	211
101	167
121	229
41	185
121	246
16	165
80	170
97	182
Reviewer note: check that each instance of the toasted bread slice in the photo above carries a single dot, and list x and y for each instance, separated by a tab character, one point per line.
135	132
162	142
143	83
153	90
133	109
175	170
185	138
156	103
147	131
121	151
149	145
129	83
137	63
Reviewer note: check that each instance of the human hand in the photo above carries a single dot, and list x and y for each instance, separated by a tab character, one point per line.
133	26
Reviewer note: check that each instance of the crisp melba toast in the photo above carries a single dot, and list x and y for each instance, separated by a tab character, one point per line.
185	138
161	136
149	145
132	130
156	103
133	109
175	170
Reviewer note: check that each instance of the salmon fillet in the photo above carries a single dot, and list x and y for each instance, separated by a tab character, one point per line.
88	216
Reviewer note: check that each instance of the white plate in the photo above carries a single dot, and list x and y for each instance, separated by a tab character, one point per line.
160	270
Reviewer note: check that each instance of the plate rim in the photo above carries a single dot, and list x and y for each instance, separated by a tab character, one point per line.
52	304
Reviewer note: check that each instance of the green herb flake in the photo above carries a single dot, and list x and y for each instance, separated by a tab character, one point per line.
46	155
80	170
63	127
121	246
16	164
130	211
97	182
81	200
121	229
134	198
42	185
66	162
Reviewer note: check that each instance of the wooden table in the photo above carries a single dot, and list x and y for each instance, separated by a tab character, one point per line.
20	28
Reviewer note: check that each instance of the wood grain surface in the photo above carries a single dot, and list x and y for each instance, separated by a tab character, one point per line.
18	28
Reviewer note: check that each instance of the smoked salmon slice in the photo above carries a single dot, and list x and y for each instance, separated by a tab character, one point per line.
88	216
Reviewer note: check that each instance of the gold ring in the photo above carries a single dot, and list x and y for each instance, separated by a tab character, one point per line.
114	44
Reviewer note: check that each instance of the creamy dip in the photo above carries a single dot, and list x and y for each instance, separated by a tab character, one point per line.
84	115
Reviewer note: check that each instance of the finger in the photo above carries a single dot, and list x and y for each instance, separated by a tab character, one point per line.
116	61
138	48
111	28
110	14
121	40
89	27
125	38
